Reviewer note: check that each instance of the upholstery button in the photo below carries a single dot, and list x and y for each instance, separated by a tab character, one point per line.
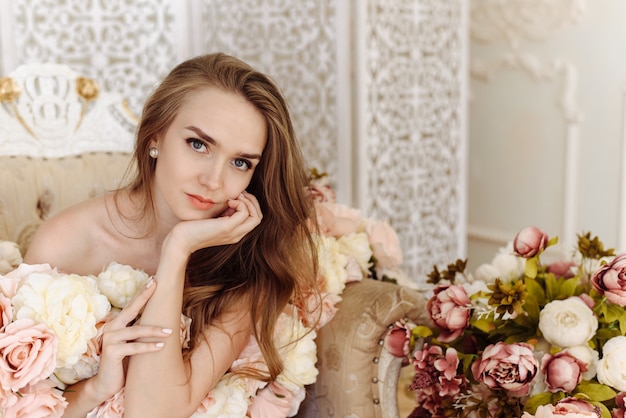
375	360
374	380
376	401
381	342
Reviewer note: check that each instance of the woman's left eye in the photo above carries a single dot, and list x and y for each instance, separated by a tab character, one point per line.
242	164
196	144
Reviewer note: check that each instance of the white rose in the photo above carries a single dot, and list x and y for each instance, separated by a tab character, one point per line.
612	365
567	323
358	246
297	349
505	266
119	283
10	256
588	356
70	305
332	264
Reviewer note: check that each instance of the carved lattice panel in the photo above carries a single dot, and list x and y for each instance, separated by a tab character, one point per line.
126	45
414	126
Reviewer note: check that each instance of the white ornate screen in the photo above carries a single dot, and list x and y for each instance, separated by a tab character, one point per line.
376	86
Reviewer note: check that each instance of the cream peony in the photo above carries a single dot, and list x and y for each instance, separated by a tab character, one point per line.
69	304
588	356
296	346
567	323
505	266
10	256
612	365
119	283
357	245
332	264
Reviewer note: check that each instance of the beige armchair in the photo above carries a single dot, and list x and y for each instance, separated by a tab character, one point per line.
63	141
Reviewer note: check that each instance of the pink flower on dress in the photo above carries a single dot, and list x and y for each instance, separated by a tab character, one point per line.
321	192
10	283
271	401
337	220
449	308
111	408
610	280
38	400
510	367
530	241
28	353
6	312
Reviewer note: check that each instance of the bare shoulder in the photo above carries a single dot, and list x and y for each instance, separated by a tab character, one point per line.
69	235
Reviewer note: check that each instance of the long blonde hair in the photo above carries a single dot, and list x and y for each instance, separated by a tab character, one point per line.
273	264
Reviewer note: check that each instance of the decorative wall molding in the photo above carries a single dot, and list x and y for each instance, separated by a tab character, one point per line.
495	21
621	243
564	73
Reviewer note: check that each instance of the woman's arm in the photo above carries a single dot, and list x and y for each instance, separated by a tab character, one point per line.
163	384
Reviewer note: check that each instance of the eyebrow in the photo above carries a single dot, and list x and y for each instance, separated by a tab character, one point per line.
212	141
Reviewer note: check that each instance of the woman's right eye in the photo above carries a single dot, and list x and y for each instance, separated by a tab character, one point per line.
196	144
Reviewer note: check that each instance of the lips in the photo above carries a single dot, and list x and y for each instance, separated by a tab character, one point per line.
199	202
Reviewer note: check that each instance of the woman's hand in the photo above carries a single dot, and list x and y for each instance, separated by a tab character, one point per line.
242	216
119	341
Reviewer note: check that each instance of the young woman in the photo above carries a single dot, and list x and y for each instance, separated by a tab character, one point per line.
217	213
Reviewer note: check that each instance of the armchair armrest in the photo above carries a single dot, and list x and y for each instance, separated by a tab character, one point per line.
357	377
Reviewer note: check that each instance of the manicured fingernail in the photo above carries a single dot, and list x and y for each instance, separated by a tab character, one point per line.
159	345
150	282
167	331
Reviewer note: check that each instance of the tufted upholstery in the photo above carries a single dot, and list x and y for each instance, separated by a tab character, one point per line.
357	378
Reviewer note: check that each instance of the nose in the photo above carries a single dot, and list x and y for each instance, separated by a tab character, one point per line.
211	177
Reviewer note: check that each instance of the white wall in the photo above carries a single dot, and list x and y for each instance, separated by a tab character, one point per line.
546	121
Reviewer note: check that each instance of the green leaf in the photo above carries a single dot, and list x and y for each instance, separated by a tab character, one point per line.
537	400
484	325
596	391
421	331
531	268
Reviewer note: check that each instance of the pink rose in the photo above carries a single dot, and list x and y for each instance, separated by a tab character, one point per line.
271	401
529	242
509	367
449	308
562	268
321	310
562	371
385	244
337	220
35	401
28	353
620	411
398	339
566	408
610	280
10	283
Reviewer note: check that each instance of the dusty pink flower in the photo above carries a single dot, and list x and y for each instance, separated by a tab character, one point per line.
562	268
449	308
562	371
450	381
509	367
620	411
397	340
385	244
320	310
529	242
38	400
28	353
610	280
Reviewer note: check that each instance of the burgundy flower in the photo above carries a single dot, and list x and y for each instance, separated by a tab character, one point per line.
530	241
398	339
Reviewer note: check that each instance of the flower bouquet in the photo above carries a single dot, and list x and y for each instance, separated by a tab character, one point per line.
533	333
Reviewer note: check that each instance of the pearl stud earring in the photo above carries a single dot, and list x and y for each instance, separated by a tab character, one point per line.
153	152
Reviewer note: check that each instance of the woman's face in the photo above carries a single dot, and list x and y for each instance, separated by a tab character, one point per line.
208	154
